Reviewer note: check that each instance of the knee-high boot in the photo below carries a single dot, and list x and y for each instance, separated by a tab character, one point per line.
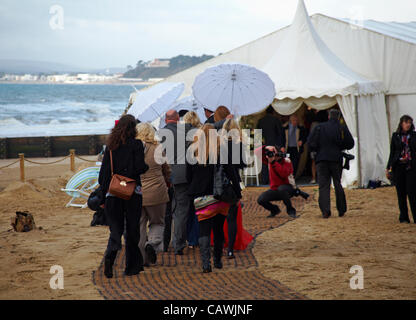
109	259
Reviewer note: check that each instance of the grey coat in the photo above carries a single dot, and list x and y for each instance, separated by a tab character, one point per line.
177	161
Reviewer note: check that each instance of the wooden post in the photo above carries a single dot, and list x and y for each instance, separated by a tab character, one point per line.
72	153
47	146
3	148
22	166
92	144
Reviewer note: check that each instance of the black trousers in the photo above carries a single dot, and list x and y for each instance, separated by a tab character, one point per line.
216	224
405	182
167	233
284	193
192	228
327	170
294	157
125	215
232	225
264	173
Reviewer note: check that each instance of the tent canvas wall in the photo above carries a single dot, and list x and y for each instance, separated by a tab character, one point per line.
374	55
378	50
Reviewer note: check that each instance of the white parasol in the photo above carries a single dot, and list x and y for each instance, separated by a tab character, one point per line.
153	102
241	88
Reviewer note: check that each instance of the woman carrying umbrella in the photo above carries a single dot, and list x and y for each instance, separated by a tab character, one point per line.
231	137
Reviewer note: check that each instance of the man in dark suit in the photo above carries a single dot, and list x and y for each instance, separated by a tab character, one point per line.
177	162
295	140
329	139
273	135
210	116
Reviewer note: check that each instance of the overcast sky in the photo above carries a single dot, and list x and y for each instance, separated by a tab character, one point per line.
104	33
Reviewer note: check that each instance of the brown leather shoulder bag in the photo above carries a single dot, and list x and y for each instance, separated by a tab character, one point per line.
120	186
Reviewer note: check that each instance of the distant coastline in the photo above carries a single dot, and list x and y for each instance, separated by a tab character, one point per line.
118	82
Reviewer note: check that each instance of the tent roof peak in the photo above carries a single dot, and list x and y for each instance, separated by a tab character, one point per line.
304	66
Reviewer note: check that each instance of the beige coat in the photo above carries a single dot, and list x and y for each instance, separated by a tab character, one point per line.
154	187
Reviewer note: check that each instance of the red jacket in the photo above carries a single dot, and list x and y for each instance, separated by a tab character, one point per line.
278	172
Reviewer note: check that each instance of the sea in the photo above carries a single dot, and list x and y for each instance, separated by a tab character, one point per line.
33	110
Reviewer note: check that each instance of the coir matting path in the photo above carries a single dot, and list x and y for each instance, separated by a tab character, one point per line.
181	278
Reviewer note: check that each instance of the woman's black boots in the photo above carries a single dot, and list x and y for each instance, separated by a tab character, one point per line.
217	258
109	259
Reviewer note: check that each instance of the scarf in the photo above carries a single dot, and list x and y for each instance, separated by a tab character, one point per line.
406	156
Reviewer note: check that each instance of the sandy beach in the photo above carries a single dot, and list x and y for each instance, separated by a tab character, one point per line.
310	255
66	238
313	256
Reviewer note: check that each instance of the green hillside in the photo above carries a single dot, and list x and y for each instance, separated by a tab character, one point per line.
176	65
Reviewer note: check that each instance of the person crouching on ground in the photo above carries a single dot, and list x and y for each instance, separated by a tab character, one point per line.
128	160
201	185
280	169
155	196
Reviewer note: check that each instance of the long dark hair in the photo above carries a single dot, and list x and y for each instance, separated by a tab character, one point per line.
405	118
125	129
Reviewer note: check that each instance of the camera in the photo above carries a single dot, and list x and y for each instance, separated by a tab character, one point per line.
348	157
271	154
297	192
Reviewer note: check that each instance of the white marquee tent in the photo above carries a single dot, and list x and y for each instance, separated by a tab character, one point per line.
305	70
321	61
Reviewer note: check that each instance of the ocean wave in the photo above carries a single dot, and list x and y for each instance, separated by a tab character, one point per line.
63	112
27	110
11	122
92	107
57	129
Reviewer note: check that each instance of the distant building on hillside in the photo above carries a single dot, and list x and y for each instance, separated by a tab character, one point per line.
158	63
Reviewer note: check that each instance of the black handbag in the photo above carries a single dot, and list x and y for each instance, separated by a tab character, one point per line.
96	199
223	189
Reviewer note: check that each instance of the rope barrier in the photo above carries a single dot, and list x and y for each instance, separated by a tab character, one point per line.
22	160
10	164
83	159
53	162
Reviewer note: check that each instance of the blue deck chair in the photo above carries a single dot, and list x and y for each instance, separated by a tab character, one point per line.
81	185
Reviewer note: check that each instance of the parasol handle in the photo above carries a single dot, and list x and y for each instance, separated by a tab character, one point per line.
233	79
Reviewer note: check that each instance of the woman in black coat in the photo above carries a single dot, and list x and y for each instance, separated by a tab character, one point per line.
402	166
200	177
128	161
